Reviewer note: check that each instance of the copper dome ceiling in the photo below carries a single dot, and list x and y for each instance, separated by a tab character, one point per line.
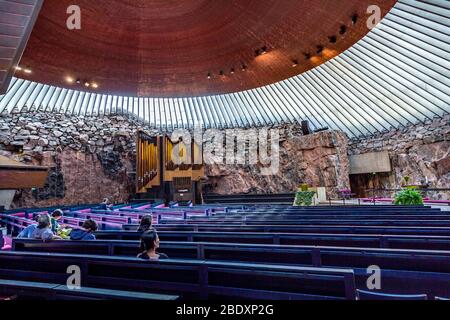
166	48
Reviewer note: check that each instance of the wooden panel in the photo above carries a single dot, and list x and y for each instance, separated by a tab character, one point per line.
22	179
17	18
372	162
164	48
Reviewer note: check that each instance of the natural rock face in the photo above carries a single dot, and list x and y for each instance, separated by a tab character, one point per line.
320	160
421	152
90	157
54	187
94	157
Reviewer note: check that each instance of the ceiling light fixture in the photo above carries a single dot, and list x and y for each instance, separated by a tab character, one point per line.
232	71
18	68
261	51
69	79
307	56
222	73
27	70
209	75
333	39
243	67
343	29
78	81
87	84
294	63
95	85
319	49
355	18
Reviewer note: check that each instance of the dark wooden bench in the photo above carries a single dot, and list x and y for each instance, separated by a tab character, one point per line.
381	240
282	228
369	295
402	270
332	222
34	289
192	279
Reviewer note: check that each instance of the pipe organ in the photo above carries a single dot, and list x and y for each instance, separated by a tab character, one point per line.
168	169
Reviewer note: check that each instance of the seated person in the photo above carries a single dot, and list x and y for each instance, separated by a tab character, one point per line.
43	230
149	244
89	227
28	231
106	205
56	215
146	223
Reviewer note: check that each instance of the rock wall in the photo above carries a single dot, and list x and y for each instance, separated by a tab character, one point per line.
90	157
320	160
93	157
420	151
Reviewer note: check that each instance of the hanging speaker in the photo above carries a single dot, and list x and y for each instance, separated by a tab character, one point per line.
305	127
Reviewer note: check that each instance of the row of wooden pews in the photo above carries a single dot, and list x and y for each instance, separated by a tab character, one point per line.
252	252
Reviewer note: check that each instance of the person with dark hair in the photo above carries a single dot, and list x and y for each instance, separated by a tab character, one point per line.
56	215
106	205
43	230
149	245
146	223
89	227
28	231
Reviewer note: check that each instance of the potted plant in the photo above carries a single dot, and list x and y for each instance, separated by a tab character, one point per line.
303	196
409	195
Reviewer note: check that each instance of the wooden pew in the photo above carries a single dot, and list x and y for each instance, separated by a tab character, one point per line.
32	289
332	222
282	228
402	271
191	278
344	240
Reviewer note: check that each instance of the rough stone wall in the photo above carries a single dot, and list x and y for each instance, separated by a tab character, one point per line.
90	157
320	160
94	157
420	151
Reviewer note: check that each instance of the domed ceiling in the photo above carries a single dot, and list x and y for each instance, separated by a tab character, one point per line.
185	48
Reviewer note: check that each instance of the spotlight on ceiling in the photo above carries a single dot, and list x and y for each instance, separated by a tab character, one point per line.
27	70
319	49
243	67
294	63
333	39
69	79
95	85
343	29
209	75
307	56
261	51
355	18
18	68
87	84
78	81
232	71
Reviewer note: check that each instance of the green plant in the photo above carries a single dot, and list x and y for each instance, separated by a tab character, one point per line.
408	196
304	198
